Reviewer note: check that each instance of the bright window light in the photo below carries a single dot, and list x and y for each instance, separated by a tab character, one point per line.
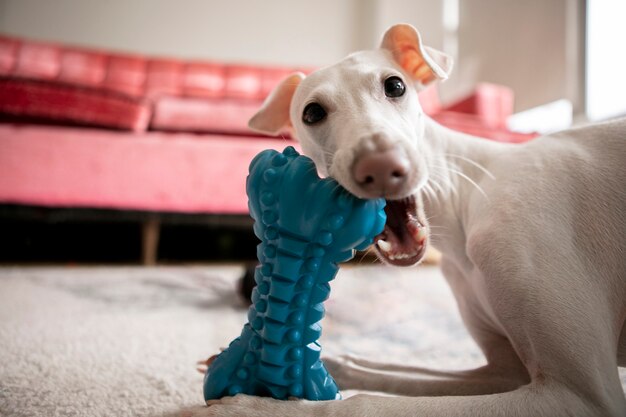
606	60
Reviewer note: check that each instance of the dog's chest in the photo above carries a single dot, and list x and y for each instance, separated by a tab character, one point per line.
468	287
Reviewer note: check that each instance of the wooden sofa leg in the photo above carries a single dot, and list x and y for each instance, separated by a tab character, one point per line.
150	240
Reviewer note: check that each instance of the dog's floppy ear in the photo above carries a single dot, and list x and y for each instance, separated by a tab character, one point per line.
423	63
273	116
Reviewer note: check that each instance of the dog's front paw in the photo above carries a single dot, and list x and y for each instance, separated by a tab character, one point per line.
251	406
203	365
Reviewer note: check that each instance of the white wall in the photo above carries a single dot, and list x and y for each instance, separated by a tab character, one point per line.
264	31
526	45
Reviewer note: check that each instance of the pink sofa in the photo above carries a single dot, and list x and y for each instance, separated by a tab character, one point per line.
99	129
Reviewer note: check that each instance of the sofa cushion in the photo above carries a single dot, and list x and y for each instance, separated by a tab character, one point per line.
70	104
8	54
82	68
164	77
243	82
203	79
229	115
474	125
126	74
492	104
203	115
38	60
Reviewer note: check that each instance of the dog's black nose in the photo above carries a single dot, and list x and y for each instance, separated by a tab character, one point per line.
380	173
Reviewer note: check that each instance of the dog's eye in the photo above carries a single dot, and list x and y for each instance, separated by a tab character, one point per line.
394	87
313	113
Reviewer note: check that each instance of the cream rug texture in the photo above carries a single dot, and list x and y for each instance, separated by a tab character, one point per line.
106	341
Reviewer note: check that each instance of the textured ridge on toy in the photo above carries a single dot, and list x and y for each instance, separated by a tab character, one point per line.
306	226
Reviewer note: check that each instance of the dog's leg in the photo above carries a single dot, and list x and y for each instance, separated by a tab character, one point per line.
504	372
418	382
536	400
339	363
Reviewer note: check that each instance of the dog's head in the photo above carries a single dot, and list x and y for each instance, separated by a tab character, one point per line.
361	122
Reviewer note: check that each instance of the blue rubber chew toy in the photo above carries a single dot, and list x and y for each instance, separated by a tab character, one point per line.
306	226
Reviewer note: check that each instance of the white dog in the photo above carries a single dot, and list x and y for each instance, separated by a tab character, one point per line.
533	238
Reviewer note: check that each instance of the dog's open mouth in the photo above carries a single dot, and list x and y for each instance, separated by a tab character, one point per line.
403	240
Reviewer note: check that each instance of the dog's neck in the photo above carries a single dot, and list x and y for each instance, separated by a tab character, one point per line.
458	164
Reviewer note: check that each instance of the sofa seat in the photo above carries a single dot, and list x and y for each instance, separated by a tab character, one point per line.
150	171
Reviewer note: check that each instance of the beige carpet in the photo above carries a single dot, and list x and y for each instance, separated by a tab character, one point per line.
124	341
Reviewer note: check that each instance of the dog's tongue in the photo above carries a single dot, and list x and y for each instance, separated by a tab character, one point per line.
403	236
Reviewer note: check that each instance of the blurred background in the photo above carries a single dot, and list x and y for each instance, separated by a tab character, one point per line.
122	134
536	47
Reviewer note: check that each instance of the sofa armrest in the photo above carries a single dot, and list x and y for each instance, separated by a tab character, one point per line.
491	103
429	100
51	101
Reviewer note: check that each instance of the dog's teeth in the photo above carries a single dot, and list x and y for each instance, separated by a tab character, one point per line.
420	234
402	256
384	245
